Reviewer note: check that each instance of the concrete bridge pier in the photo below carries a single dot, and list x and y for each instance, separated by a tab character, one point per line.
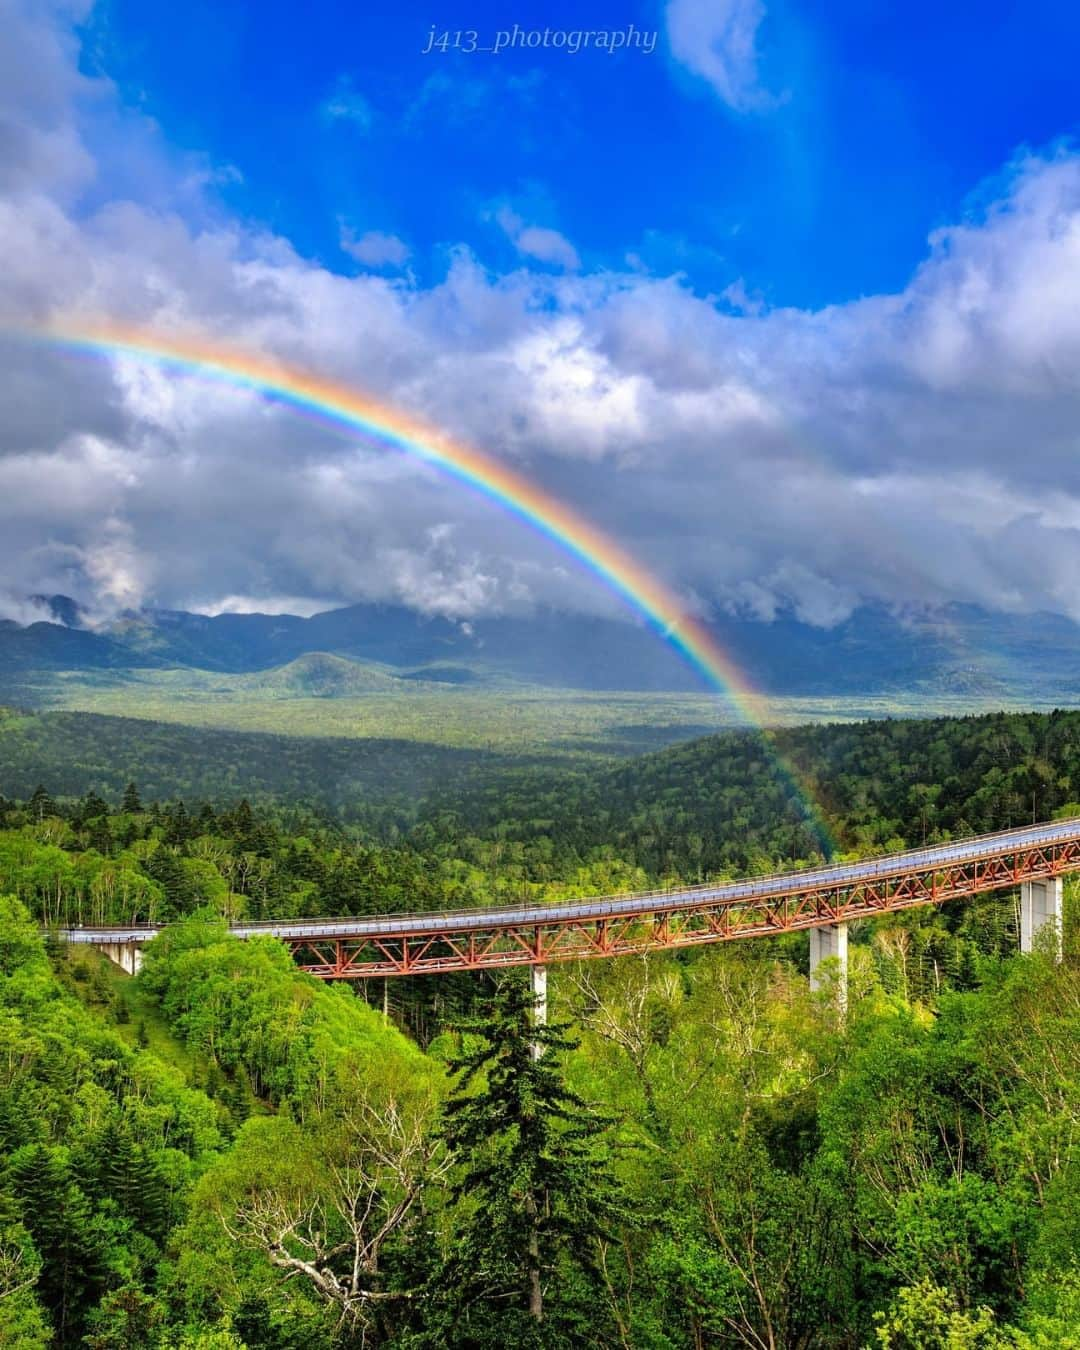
829	943
1041	909
539	989
127	955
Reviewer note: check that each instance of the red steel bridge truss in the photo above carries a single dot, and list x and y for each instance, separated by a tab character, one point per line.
578	930
581	930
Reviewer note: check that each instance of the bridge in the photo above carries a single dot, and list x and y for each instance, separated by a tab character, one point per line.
820	899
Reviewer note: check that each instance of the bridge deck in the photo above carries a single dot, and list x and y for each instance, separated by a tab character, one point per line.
407	944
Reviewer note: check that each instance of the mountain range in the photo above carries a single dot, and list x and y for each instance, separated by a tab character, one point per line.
962	650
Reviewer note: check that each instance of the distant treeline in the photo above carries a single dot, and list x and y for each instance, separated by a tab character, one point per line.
373	783
719	804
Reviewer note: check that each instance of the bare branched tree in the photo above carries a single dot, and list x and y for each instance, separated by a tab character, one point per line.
331	1225
16	1271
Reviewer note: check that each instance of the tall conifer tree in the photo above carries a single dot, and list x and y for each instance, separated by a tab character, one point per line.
533	1191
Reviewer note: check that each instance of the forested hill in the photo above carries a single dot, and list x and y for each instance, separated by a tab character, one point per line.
729	803
739	800
371	781
718	803
223	1154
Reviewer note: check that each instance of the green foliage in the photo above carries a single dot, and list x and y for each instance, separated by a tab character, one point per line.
531	1195
224	1152
719	805
246	1007
100	1145
924	1317
23	1325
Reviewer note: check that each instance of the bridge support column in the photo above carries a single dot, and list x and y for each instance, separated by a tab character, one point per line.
539	989
127	955
1040	909
825	944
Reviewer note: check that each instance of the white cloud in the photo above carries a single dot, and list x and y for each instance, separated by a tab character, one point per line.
23	610
548	246
535	241
440	579
717	40
118	573
347	106
302	605
374	248
40	100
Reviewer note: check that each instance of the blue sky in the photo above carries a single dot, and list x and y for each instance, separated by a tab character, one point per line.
869	125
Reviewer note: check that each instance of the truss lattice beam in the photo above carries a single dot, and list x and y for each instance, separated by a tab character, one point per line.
587	937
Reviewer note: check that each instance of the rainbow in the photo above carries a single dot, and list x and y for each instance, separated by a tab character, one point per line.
343	406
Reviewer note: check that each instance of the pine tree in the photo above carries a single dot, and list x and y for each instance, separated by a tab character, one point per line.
533	1191
58	1217
130	804
99	838
126	835
178	828
164	867
242	824
206	821
235	1095
125	1318
40	805
129	1175
92	806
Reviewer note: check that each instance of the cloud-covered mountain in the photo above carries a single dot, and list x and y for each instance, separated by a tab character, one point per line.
362	648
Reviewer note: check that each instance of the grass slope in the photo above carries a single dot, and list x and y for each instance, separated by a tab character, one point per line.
105	989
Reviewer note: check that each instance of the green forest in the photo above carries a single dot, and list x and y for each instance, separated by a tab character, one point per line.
696	1150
